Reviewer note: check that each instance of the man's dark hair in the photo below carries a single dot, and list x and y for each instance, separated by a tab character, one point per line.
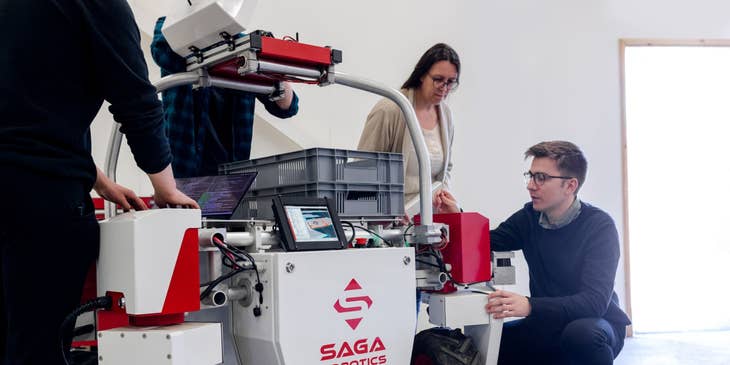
439	52
569	158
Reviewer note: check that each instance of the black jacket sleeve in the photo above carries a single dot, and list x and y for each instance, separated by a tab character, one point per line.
121	73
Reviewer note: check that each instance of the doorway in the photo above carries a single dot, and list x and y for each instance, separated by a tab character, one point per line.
677	184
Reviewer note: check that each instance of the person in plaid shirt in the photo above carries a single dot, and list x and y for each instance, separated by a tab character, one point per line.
209	126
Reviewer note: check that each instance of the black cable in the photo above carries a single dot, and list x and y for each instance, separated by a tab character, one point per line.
104	302
243	256
190	3
439	260
442	266
374	234
352	226
258	287
227	261
224	248
428	263
218	280
405	233
236	251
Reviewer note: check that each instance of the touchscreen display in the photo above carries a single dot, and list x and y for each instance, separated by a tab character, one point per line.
310	223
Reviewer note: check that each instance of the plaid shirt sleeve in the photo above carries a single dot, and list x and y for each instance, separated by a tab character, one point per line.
178	105
187	117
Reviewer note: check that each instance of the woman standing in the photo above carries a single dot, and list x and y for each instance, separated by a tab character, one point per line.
435	75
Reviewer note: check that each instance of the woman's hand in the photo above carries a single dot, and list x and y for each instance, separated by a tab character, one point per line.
444	202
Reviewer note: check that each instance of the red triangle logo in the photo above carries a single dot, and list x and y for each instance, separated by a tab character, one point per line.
353	322
353	285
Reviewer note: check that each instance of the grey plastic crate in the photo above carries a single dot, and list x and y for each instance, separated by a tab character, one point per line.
350	200
321	165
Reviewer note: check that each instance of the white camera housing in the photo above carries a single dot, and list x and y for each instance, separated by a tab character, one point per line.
201	24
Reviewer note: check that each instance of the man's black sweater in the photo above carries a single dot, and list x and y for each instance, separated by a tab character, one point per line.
572	268
59	60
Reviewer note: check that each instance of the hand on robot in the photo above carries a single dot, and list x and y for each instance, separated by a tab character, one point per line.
117	194
166	193
405	220
444	202
287	97
503	304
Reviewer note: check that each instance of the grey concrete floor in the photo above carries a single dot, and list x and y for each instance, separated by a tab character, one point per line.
685	348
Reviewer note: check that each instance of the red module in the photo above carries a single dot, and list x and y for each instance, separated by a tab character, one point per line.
468	250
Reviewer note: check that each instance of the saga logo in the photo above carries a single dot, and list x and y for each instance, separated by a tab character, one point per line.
332	351
353	305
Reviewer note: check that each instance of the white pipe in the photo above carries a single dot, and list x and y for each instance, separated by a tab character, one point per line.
241	239
414	128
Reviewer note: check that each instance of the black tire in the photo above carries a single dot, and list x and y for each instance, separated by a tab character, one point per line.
443	346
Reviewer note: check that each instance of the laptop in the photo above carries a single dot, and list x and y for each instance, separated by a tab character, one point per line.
218	196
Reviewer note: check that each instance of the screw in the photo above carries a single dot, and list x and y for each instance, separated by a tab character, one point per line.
406	260
167	337
144	335
101	358
99	334
289	267
169	356
121	335
122	302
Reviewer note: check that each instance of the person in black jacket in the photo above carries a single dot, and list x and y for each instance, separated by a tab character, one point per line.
572	315
59	60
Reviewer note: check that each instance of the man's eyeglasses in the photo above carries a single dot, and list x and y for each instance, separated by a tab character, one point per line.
440	82
540	177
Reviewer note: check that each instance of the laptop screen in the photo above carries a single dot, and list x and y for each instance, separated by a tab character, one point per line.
218	196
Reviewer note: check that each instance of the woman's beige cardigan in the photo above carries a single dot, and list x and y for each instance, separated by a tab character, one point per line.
386	131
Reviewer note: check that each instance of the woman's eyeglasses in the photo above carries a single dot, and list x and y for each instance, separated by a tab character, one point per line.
441	82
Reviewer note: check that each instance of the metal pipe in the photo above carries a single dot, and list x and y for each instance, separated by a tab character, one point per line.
240	239
238	85
180	79
241	293
414	128
216	298
389	234
266	66
112	157
215	265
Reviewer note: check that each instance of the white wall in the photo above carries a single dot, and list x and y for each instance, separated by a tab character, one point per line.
533	70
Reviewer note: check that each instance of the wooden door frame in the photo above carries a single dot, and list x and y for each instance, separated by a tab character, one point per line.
623	44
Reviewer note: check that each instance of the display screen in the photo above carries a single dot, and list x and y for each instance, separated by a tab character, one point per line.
218	196
310	223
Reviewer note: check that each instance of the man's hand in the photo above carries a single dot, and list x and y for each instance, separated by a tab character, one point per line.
174	198
444	202
166	193
503	304
285	102
117	194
